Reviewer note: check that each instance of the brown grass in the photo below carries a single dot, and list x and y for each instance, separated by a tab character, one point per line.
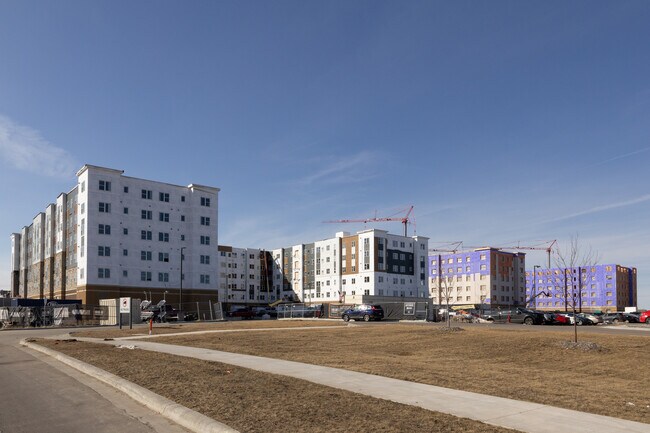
170	328
251	401
507	363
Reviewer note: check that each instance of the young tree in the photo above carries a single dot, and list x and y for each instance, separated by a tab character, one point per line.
575	262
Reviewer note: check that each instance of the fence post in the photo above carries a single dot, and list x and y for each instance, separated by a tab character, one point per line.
211	312
198	311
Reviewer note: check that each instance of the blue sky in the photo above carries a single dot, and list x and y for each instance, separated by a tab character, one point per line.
499	121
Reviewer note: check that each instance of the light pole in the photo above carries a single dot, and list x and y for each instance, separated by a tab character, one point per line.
180	301
533	299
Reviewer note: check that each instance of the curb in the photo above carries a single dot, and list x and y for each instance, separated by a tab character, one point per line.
181	415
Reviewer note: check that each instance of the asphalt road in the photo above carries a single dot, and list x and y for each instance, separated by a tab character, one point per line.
42	395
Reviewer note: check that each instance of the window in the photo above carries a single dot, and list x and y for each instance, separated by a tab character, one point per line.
104	207
163	216
104	229
182	237
205	201
483	256
83	208
103	273
146	214
163	277
145	276
125	252
205	279
205	260
163	237
182	217
104	185
182	198
205	240
126	191
145	255
126	210
83	186
146	194
205	221
125	273
104	251
125	231
483	267
145	235
163	257
366	279
163	196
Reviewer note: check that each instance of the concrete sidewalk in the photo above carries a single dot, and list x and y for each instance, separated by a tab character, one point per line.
503	412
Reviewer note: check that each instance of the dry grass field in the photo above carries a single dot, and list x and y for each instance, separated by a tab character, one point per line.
251	401
514	364
171	328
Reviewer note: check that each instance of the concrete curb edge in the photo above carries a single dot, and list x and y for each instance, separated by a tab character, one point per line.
181	415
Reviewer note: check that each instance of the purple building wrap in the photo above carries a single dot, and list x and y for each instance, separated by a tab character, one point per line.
607	287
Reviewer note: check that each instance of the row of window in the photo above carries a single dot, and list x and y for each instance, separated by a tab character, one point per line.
147	235
163	277
434	262
147	194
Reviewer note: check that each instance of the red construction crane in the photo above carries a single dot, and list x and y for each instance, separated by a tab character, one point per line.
404	219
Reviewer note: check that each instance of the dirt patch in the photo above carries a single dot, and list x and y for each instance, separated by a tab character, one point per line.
252	401
514	364
171	328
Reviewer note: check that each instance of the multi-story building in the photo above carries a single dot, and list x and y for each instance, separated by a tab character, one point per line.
483	278
245	275
593	288
114	235
371	265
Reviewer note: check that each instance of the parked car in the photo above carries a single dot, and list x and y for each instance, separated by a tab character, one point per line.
632	317
517	315
363	312
578	318
644	316
560	319
614	318
262	311
594	318
242	312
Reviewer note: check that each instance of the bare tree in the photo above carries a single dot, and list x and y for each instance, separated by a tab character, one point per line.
575	262
445	289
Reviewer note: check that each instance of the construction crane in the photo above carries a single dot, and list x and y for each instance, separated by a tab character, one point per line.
455	246
404	219
548	248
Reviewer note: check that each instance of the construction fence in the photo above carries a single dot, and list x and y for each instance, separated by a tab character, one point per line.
392	311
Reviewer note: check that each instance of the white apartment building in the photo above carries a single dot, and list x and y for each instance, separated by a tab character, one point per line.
244	276
363	267
114	235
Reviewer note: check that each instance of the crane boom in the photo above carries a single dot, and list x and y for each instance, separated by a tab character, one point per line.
404	220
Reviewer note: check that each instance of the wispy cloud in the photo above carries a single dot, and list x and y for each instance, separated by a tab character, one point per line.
625	155
25	149
354	168
597	209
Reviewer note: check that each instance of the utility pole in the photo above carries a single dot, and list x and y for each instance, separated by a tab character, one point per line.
180	302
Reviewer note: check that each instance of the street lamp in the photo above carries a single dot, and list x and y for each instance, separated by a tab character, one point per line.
532	293
180	301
